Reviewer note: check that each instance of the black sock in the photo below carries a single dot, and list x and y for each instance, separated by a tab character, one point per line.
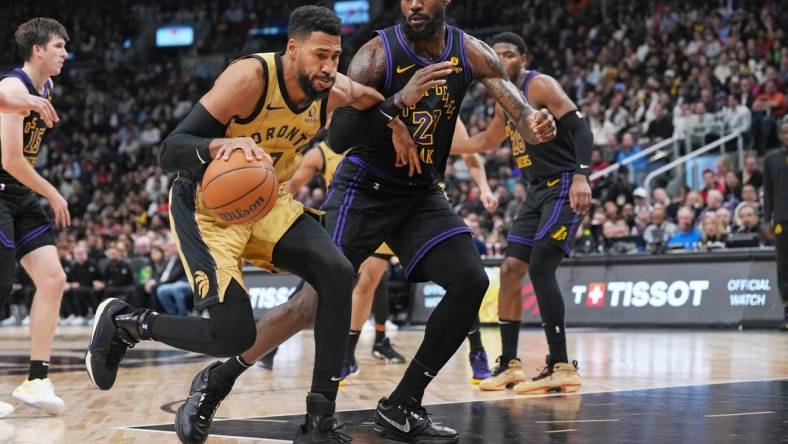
416	375
352	340
556	342
38	370
510	332
380	335
230	370
475	339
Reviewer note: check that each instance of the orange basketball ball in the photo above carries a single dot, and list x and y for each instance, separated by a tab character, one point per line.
236	191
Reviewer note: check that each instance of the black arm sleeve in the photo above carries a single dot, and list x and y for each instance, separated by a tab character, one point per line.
584	139
351	127
187	146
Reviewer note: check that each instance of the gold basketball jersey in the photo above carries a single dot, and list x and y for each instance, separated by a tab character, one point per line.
330	162
277	126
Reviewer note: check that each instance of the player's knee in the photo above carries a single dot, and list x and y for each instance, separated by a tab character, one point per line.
512	268
541	270
54	282
339	273
474	282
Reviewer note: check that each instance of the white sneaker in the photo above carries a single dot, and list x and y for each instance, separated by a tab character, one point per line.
78	321
26	321
9	321
5	409
40	393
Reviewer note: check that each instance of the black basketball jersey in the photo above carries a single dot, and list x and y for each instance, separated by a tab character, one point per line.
33	126
431	121
545	160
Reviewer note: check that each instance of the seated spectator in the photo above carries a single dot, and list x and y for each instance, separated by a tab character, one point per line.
661	127
80	298
751	175
747	220
629	148
733	190
661	229
714	201
749	196
713	233
710	182
686	235
119	278
725	216
514	205
173	290
736	116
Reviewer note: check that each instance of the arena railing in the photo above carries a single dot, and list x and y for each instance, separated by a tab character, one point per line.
679	162
646	152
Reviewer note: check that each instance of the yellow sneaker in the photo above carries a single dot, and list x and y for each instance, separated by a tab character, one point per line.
40	393
504	375
560	378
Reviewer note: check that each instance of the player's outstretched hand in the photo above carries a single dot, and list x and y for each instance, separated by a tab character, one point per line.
60	209
23	103
245	144
580	194
406	151
424	79
542	124
489	201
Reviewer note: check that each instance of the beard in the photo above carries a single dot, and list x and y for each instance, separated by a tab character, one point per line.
309	90
428	30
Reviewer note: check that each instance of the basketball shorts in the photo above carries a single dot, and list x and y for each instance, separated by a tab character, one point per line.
24	225
213	252
546	218
364	209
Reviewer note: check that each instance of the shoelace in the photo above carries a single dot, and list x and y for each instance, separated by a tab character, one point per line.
340	436
209	403
499	368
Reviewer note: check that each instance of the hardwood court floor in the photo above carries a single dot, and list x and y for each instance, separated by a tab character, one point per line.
155	379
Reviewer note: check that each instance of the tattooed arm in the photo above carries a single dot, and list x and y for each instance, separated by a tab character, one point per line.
535	126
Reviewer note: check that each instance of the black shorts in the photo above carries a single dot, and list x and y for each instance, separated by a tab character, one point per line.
364	209
24	225
546	219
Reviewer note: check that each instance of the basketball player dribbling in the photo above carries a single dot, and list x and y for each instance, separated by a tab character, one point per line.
268	105
543	231
26	232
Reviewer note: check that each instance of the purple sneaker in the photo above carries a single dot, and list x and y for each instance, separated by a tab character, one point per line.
479	365
349	368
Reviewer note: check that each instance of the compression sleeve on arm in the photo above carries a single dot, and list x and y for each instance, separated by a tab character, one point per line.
351	127
187	147
583	138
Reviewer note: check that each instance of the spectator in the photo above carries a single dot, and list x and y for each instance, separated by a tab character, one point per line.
660	230
747	220
736	116
661	127
733	190
751	175
710	182
628	149
713	232
173	291
724	216
686	235
82	278
714	202
119	278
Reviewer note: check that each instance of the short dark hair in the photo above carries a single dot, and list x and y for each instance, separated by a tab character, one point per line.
510	37
305	20
37	31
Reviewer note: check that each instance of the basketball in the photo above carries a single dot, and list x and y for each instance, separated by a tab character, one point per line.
237	191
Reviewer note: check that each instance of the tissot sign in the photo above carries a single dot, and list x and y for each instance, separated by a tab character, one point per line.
668	291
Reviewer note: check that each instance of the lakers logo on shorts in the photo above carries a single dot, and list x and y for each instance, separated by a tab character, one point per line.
560	234
778	229
202	284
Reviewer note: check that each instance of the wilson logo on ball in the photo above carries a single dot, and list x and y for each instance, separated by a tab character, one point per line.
242	213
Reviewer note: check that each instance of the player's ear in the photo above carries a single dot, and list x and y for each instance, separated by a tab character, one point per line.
292	46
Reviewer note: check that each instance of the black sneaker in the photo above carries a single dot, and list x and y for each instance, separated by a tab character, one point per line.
385	352
108	344
194	417
320	425
410	424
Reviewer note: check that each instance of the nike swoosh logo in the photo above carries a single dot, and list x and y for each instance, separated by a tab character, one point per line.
429	375
336	378
273	108
400	69
404	428
552	183
582	165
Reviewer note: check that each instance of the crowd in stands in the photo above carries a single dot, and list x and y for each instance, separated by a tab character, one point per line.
641	72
